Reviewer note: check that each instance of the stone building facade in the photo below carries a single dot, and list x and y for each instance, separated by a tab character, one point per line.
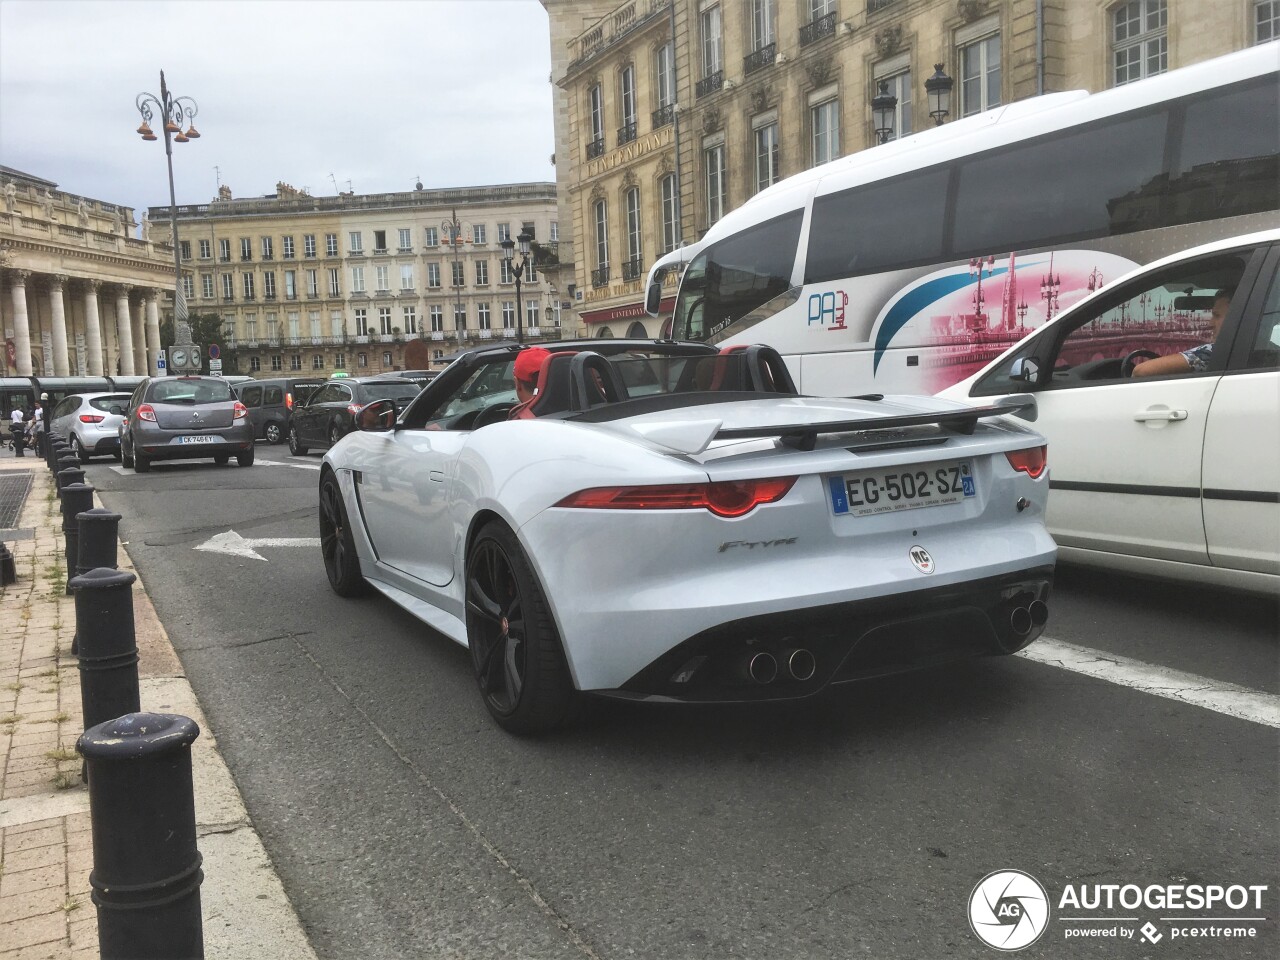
367	283
716	99
82	296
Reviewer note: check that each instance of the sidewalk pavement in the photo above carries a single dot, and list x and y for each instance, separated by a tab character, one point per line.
46	842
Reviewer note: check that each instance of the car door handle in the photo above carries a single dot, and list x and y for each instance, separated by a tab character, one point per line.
1144	415
436	475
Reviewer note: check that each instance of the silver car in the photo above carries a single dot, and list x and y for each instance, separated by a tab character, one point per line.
90	422
185	418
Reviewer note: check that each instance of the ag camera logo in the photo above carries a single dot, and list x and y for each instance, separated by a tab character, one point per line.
1008	910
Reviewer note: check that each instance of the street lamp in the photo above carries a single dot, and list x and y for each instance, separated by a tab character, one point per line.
883	105
517	268
938	89
453	229
172	110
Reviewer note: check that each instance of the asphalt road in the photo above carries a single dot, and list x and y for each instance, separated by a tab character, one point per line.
404	823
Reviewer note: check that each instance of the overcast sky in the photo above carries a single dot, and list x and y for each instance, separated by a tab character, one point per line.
378	93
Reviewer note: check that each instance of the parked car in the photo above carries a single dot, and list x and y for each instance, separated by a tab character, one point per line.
329	413
271	402
720	540
420	377
90	422
1177	474
185	418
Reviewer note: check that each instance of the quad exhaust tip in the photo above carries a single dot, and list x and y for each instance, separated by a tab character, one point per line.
799	664
762	667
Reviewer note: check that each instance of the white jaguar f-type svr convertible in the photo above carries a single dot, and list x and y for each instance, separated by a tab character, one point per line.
665	521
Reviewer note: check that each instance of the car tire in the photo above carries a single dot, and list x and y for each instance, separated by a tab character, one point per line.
141	464
334	435
524	680
337	545
245	459
296	448
272	433
126	458
222	459
78	450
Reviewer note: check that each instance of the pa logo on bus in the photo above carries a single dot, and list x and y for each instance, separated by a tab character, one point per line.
921	559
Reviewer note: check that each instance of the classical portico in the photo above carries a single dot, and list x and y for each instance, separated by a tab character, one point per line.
78	297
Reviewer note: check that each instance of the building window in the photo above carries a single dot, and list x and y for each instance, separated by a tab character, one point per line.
382	277
188	286
184	246
635	247
482	273
384	321
459	317
824	118
409	315
291	284
357	280
435	314
553	313
362	359
483	319
335	323
761	23
459	279
431	237
980	75
766	155
246	248
295	361
228	287
504	232
313	321
602	242
1140	44
362	322
554	233
355	242
899	84
627	97
504	272
269	284
478	234
406	241
333	282
313	283
406	276
317	361
713	164
330	244
712	41
437	355
339	361
665	77
268	248
531	308
595	102
286	247
294	331
820	8
224	250
272	326
508	314
255	364
379	241
206	285
205	250
309	245
386	358
670	227
433	276
275	362
1266	20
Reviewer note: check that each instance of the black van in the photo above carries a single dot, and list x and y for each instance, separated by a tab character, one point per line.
271	403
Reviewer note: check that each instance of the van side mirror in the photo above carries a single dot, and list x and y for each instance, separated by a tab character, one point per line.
377	417
653	295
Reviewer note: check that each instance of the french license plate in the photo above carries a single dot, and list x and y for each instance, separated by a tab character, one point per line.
906	488
200	439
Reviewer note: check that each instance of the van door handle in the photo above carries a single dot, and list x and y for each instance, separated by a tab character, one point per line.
436	475
1157	414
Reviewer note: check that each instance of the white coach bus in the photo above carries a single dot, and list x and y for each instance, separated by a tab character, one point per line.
908	266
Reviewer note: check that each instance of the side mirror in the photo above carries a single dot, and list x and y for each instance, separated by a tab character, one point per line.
653	296
377	417
1025	370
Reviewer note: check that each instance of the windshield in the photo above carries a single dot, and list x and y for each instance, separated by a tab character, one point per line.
119	401
191	391
392	391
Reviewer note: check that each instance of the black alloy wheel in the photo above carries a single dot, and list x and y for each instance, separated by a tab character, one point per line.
337	546
78	450
334	435
273	433
515	649
296	448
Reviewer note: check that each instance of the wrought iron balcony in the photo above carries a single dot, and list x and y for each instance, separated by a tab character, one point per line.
817	29
710	83
759	59
600	276
632	269
595	148
626	133
664	115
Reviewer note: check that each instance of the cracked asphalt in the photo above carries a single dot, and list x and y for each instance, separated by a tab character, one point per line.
405	824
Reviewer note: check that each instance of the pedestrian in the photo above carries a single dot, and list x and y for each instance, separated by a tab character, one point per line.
35	430
18	431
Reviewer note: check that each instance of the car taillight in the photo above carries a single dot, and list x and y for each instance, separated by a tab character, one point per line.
288	401
239	411
145	412
1031	461
91	418
354	408
726	498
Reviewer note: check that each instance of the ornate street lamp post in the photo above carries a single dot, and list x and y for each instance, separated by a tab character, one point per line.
883	105
172	110
938	89
453	229
517	268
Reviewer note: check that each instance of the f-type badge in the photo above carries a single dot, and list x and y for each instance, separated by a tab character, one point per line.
920	557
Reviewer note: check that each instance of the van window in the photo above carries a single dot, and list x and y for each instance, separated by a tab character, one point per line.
251	396
272	396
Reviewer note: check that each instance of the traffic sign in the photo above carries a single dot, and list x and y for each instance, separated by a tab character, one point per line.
214	353
215	366
160	362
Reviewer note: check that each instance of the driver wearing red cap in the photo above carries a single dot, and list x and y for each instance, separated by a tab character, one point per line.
528	365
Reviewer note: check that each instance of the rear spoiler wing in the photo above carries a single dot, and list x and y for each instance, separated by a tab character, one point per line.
804	436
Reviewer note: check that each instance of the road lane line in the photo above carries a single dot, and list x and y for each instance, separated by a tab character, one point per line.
1217	695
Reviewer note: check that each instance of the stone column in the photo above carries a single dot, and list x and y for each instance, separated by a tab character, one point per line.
21	329
139	330
92	331
58	310
153	331
124	336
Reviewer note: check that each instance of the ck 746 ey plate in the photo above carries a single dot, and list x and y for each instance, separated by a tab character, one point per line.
888	491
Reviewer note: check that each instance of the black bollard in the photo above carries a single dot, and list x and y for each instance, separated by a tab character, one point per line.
65	462
97	535
146	868
69	475
76	499
107	647
57	449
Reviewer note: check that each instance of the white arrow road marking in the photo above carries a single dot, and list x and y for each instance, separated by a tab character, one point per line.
1217	695
232	544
